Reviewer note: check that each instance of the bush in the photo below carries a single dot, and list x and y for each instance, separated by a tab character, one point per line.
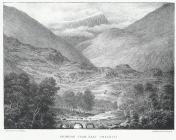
157	72
88	100
159	120
167	97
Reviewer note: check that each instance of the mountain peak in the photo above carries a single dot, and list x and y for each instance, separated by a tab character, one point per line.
95	19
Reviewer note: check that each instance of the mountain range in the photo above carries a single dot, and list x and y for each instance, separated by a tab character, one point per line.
31	47
148	43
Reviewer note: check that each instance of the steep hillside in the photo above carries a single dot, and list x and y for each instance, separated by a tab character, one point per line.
146	44
40	62
20	56
155	24
27	30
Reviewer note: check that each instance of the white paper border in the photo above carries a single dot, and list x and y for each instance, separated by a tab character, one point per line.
65	134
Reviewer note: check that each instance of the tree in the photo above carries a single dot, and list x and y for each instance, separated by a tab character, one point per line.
79	100
15	99
27	104
88	100
148	87
167	97
139	90
151	91
115	105
134	119
70	99
43	114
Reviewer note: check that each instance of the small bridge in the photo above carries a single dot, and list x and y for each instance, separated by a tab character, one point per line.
77	124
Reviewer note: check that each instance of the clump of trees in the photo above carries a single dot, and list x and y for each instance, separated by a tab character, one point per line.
157	72
111	74
84	101
153	108
28	104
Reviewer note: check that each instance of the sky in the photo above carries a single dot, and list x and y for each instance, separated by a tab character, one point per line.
121	14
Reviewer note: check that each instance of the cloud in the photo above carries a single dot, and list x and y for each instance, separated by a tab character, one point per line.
81	32
102	27
85	31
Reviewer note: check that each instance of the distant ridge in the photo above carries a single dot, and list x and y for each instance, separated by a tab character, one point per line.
90	21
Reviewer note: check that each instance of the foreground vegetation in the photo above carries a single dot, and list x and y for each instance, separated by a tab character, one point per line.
31	105
150	108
